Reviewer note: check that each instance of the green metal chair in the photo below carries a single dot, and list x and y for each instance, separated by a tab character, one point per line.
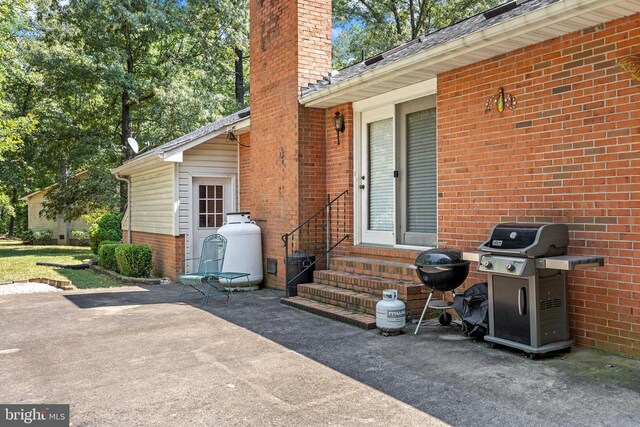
211	259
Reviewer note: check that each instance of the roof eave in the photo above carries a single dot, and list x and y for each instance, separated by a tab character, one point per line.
28	196
175	154
137	164
242	126
508	30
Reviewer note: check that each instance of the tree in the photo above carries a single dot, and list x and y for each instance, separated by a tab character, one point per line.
167	64
368	27
96	72
13	126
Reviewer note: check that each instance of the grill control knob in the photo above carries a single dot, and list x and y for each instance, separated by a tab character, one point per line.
509	267
487	264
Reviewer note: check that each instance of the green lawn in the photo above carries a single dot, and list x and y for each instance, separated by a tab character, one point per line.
18	262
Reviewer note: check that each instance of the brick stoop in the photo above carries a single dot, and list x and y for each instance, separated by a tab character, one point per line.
376	267
355	283
345	298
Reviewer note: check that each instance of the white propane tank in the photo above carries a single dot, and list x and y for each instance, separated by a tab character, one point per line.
390	313
244	247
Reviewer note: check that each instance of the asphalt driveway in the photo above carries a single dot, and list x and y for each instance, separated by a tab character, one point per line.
134	356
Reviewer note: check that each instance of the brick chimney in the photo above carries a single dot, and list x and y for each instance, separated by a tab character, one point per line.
290	42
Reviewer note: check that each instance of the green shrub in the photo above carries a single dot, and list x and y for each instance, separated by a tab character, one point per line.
134	260
108	242
107	227
42	237
107	256
80	236
27	237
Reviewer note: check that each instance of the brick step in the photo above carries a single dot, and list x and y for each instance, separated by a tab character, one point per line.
355	301
376	267
366	283
385	253
361	320
412	294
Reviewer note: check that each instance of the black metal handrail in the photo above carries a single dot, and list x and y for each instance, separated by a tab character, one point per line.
316	237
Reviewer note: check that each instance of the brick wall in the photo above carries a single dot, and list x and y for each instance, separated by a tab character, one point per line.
167	252
290	47
339	173
245	172
569	152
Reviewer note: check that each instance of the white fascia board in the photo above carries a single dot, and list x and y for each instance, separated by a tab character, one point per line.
512	29
175	155
147	162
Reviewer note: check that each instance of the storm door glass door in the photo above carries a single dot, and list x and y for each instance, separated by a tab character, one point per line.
378	196
210	204
420	223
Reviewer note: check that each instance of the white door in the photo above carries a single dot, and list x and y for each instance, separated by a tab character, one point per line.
398	179
212	199
377	180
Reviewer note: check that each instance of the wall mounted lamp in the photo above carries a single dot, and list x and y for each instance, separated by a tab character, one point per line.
338	124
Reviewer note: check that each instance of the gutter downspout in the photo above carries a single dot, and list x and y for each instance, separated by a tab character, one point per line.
128	181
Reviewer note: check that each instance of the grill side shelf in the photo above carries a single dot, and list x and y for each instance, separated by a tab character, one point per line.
473	256
569	262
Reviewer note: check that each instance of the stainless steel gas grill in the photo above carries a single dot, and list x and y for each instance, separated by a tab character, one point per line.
527	276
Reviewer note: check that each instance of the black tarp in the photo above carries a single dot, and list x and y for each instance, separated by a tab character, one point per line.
473	308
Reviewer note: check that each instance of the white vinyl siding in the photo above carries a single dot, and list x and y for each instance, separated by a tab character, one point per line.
421	172
37	222
152	200
40	223
381	194
215	158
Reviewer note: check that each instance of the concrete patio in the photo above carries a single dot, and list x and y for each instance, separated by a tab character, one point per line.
135	356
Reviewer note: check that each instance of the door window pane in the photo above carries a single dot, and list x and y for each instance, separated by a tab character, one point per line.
210	206
421	172
381	175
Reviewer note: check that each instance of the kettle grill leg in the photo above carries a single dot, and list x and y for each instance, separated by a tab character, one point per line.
423	313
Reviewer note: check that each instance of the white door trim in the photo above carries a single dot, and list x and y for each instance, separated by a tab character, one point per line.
369	236
190	178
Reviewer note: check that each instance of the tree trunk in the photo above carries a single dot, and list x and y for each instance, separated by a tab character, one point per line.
14	203
412	20
239	76
125	119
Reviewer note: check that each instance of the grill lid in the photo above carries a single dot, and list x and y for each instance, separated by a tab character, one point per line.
439	257
530	240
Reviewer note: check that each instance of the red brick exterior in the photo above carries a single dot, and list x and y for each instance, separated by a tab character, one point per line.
290	47
168	251
339	175
245	187
569	152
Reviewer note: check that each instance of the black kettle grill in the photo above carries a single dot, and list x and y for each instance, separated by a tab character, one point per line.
440	270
